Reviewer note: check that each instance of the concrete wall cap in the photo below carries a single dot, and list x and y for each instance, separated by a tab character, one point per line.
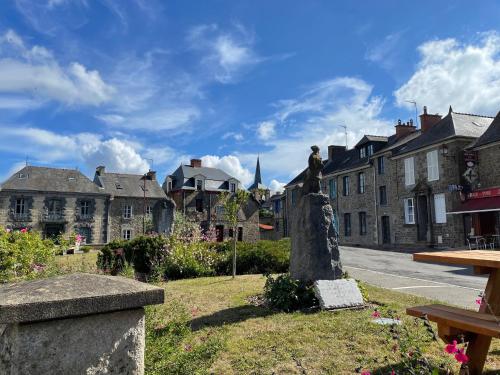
73	295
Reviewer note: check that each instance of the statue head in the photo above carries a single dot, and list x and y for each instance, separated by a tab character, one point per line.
315	149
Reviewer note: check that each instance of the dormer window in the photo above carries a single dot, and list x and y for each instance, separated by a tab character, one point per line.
232	187
199	185
118	185
22	176
370	150
362	152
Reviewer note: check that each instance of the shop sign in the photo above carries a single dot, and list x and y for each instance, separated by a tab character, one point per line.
486	193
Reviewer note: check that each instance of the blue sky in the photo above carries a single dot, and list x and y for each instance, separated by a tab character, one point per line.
143	83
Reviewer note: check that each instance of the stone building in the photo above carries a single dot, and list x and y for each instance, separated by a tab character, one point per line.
137	204
390	191
196	192
57	201
275	223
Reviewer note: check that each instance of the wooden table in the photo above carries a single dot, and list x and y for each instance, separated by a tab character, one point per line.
483	262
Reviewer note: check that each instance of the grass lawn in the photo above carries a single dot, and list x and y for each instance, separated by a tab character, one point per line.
208	326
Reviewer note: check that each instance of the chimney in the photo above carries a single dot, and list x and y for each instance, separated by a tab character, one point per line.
100	170
427	121
151	175
196	163
402	130
335	149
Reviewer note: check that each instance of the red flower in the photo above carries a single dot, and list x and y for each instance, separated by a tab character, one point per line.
366	373
375	314
24	230
451	348
393	372
461	357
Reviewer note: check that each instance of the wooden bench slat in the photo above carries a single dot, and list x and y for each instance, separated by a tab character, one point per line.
466	320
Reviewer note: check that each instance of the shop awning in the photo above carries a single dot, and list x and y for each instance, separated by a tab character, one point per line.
478	205
266	227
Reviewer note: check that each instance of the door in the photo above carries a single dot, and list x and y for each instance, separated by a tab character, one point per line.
423	218
85	233
386	230
53	230
219	232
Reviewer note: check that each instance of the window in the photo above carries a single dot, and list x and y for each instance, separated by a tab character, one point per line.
232	186
383	195
127	211
362	223
440	208
118	185
20	206
332	188
149	210
54	207
22	176
84	208
199	185
230	232
381	165
362	153
409	211
345	186
432	166
127	234
347	225
240	233
370	150
199	205
409	171
361	183
169	188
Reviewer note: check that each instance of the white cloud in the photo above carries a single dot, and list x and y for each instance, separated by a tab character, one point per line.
34	72
466	76
266	130
225	54
386	52
47	147
314	117
236	136
276	187
231	165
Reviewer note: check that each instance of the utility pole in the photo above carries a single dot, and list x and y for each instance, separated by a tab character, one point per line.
345	131
416	111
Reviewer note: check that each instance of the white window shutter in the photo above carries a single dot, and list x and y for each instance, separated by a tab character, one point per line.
440	208
432	166
409	171
406	210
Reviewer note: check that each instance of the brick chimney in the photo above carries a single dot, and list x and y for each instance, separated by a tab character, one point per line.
151	175
427	121
402	129
196	163
100	170
335	149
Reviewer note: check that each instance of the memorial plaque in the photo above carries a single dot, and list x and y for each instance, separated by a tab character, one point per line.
338	294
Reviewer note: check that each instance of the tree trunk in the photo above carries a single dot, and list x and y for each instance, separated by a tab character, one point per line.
234	252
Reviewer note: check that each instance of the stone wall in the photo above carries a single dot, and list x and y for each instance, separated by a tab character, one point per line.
489	166
70	220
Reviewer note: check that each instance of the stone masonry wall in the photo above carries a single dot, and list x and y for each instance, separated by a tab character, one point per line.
488	165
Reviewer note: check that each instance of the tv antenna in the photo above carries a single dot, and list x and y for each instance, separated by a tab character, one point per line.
415	104
345	132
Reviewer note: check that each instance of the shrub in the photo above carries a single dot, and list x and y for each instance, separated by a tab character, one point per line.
24	255
259	257
86	249
286	294
111	257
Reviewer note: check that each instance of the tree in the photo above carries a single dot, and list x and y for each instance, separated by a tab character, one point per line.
232	206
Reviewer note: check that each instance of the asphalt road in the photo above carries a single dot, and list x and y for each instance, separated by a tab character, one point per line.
397	271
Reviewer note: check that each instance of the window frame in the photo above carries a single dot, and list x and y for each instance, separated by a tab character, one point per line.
20	208
432	165
199	204
232	187
345	186
84	208
332	188
409	164
410	218
127	211
381	165
362	153
199	184
361	183
383	188
362	223
347	225
126	237
441	219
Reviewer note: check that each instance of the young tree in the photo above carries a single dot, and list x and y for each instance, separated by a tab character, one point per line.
232	206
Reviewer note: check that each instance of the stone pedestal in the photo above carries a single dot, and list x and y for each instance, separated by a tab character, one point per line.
315	253
74	324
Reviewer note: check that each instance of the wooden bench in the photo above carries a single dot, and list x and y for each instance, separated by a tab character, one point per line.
453	322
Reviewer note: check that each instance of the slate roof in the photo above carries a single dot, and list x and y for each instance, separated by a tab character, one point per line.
452	125
371	138
129	185
492	134
186	171
51	180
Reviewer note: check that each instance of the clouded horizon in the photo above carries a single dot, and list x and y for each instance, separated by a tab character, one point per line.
151	84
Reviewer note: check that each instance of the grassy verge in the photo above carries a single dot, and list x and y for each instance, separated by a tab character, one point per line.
207	326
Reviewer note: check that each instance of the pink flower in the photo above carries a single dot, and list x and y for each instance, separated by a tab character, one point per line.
375	314
24	230
366	373
451	348
393	372
8	230
461	357
38	267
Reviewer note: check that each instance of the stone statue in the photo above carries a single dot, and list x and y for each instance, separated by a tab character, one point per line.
313	174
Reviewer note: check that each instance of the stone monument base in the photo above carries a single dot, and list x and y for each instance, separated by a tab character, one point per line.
338	294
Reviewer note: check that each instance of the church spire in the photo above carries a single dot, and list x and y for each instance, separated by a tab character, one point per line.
258	178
